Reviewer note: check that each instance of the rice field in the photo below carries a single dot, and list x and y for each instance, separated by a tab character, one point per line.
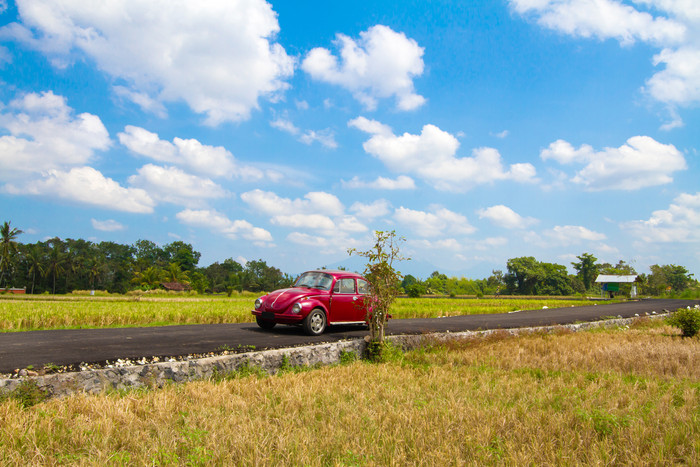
613	397
74	312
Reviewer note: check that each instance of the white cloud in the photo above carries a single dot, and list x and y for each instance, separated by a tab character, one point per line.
641	163
109	225
285	125
306	221
213	161
440	221
317	202
432	157
44	134
308	240
218	222
172	185
572	235
324	137
87	186
351	224
604	19
671	25
679	223
679	82
217	56
504	216
372	210
381	64
372	127
402	182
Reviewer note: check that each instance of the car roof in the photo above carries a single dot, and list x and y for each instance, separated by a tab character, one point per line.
337	273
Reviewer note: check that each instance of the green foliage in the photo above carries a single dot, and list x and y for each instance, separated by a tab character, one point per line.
586	269
527	276
27	394
687	320
383	279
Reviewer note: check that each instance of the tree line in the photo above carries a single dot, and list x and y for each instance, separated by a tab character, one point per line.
528	276
62	266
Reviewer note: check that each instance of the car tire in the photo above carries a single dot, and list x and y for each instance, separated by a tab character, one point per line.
315	322
265	323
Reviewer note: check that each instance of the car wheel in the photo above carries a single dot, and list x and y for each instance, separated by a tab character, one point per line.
315	322
265	323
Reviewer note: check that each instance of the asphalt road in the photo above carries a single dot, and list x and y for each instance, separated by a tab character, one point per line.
66	347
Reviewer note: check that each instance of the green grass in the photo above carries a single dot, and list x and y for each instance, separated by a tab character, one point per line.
32	313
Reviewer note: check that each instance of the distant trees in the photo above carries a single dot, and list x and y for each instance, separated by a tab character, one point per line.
8	248
61	266
527	276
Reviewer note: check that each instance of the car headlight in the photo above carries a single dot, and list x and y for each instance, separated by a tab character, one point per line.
296	308
258	303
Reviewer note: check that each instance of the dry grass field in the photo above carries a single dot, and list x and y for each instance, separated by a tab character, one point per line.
622	396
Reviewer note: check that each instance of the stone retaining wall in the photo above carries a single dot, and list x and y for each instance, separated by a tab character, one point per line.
158	374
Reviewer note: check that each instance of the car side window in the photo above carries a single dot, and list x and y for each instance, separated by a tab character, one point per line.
346	286
362	287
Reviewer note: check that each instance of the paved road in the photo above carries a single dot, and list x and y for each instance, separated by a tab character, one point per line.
65	347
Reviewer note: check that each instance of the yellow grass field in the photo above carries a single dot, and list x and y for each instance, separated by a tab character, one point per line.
64	312
622	397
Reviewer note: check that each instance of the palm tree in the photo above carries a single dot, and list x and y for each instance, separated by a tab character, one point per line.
57	258
150	278
174	273
8	246
35	263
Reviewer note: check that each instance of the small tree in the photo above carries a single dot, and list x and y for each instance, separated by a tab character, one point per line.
384	281
687	320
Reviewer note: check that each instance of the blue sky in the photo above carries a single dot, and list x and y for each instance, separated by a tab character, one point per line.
290	131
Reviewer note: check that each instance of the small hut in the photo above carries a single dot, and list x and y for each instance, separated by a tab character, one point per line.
175	286
611	283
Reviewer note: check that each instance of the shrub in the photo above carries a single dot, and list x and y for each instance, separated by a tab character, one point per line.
687	319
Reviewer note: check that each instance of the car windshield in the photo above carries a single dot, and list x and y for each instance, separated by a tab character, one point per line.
315	280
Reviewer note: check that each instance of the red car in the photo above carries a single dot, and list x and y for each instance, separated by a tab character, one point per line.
317	299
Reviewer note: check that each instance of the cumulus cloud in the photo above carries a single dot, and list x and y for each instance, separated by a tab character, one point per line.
220	223
431	156
325	138
318	211
439	221
402	182
217	56
87	186
213	161
45	134
172	185
641	163
378	208
603	19
382	63
504	216
308	240
671	25
572	235
679	223
317	202
109	225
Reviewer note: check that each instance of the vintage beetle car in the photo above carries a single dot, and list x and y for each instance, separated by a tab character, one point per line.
317	299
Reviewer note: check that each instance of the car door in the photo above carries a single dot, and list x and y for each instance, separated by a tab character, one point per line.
346	303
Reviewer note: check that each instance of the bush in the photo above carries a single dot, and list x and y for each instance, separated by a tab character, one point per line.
687	319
